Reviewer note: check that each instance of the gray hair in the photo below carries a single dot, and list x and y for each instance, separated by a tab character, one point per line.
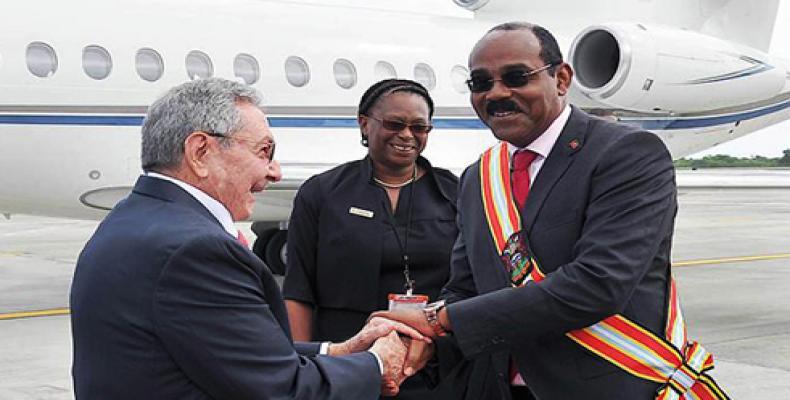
207	105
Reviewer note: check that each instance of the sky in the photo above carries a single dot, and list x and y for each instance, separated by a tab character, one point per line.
768	142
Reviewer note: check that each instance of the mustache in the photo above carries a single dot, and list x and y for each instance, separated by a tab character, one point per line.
495	106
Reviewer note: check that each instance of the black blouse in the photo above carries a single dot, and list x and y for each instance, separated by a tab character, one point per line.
343	256
425	241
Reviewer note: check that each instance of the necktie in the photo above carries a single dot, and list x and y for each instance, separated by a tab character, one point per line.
520	176
243	240
520	180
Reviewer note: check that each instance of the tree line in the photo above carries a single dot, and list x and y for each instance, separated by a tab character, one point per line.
725	161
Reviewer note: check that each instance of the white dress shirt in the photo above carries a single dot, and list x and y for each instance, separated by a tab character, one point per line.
544	143
213	206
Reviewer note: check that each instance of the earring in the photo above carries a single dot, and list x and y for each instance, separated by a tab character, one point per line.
364	141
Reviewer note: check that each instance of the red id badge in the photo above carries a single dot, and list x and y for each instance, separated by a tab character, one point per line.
407	301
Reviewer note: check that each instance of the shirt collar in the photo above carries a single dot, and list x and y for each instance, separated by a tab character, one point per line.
545	142
213	206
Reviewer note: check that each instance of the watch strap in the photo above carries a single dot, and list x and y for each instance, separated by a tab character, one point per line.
432	315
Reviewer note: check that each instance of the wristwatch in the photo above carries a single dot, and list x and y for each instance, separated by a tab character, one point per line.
431	312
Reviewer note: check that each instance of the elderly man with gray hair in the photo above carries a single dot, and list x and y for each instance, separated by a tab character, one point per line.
168	303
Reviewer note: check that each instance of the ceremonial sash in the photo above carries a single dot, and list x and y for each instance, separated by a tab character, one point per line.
677	363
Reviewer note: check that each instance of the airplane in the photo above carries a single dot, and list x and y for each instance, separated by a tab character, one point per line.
76	77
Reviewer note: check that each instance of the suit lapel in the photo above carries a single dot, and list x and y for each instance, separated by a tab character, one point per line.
559	160
271	292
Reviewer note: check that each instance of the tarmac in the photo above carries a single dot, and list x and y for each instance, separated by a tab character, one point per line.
731	262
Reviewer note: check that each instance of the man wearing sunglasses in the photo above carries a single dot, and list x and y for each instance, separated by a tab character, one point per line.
567	222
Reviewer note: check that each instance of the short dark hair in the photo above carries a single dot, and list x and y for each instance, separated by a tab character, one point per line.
550	51
389	86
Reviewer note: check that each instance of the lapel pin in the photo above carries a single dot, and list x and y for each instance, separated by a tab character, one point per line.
574	144
360	212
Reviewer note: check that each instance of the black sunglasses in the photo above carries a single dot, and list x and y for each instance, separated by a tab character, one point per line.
511	79
397	126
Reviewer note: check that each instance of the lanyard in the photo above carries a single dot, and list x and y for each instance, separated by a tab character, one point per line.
404	245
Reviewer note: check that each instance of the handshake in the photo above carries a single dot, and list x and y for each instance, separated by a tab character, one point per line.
401	339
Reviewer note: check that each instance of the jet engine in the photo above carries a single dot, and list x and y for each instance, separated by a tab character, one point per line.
662	69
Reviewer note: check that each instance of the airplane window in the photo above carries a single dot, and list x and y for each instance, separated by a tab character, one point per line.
458	75
96	62
41	59
384	70
246	67
296	71
345	73
149	64
199	65
423	73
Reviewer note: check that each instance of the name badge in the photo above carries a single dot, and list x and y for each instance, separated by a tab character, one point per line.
407	301
360	212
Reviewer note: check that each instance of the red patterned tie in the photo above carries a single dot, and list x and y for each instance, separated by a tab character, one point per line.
520	176
243	240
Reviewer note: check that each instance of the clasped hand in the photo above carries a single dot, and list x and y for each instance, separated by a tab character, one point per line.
418	351
402	350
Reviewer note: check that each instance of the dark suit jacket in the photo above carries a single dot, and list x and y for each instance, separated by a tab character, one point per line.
167	305
599	218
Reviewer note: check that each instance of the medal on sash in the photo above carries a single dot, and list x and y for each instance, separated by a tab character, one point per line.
518	260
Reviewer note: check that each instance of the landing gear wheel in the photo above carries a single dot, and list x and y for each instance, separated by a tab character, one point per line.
275	254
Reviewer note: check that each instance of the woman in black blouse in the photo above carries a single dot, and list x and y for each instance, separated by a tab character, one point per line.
357	230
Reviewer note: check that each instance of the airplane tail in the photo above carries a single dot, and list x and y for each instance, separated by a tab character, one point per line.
746	22
742	21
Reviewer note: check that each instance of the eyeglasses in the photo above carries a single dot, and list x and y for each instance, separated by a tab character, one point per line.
511	79
397	126
263	150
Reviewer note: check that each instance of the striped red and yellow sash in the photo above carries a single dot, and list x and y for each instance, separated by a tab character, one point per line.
502	212
678	364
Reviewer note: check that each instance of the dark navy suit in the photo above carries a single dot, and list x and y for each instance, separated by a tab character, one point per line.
599	218
167	305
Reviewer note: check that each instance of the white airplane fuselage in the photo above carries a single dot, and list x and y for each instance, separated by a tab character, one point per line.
70	143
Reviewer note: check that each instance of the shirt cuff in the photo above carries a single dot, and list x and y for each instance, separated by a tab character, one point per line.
324	349
378	360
